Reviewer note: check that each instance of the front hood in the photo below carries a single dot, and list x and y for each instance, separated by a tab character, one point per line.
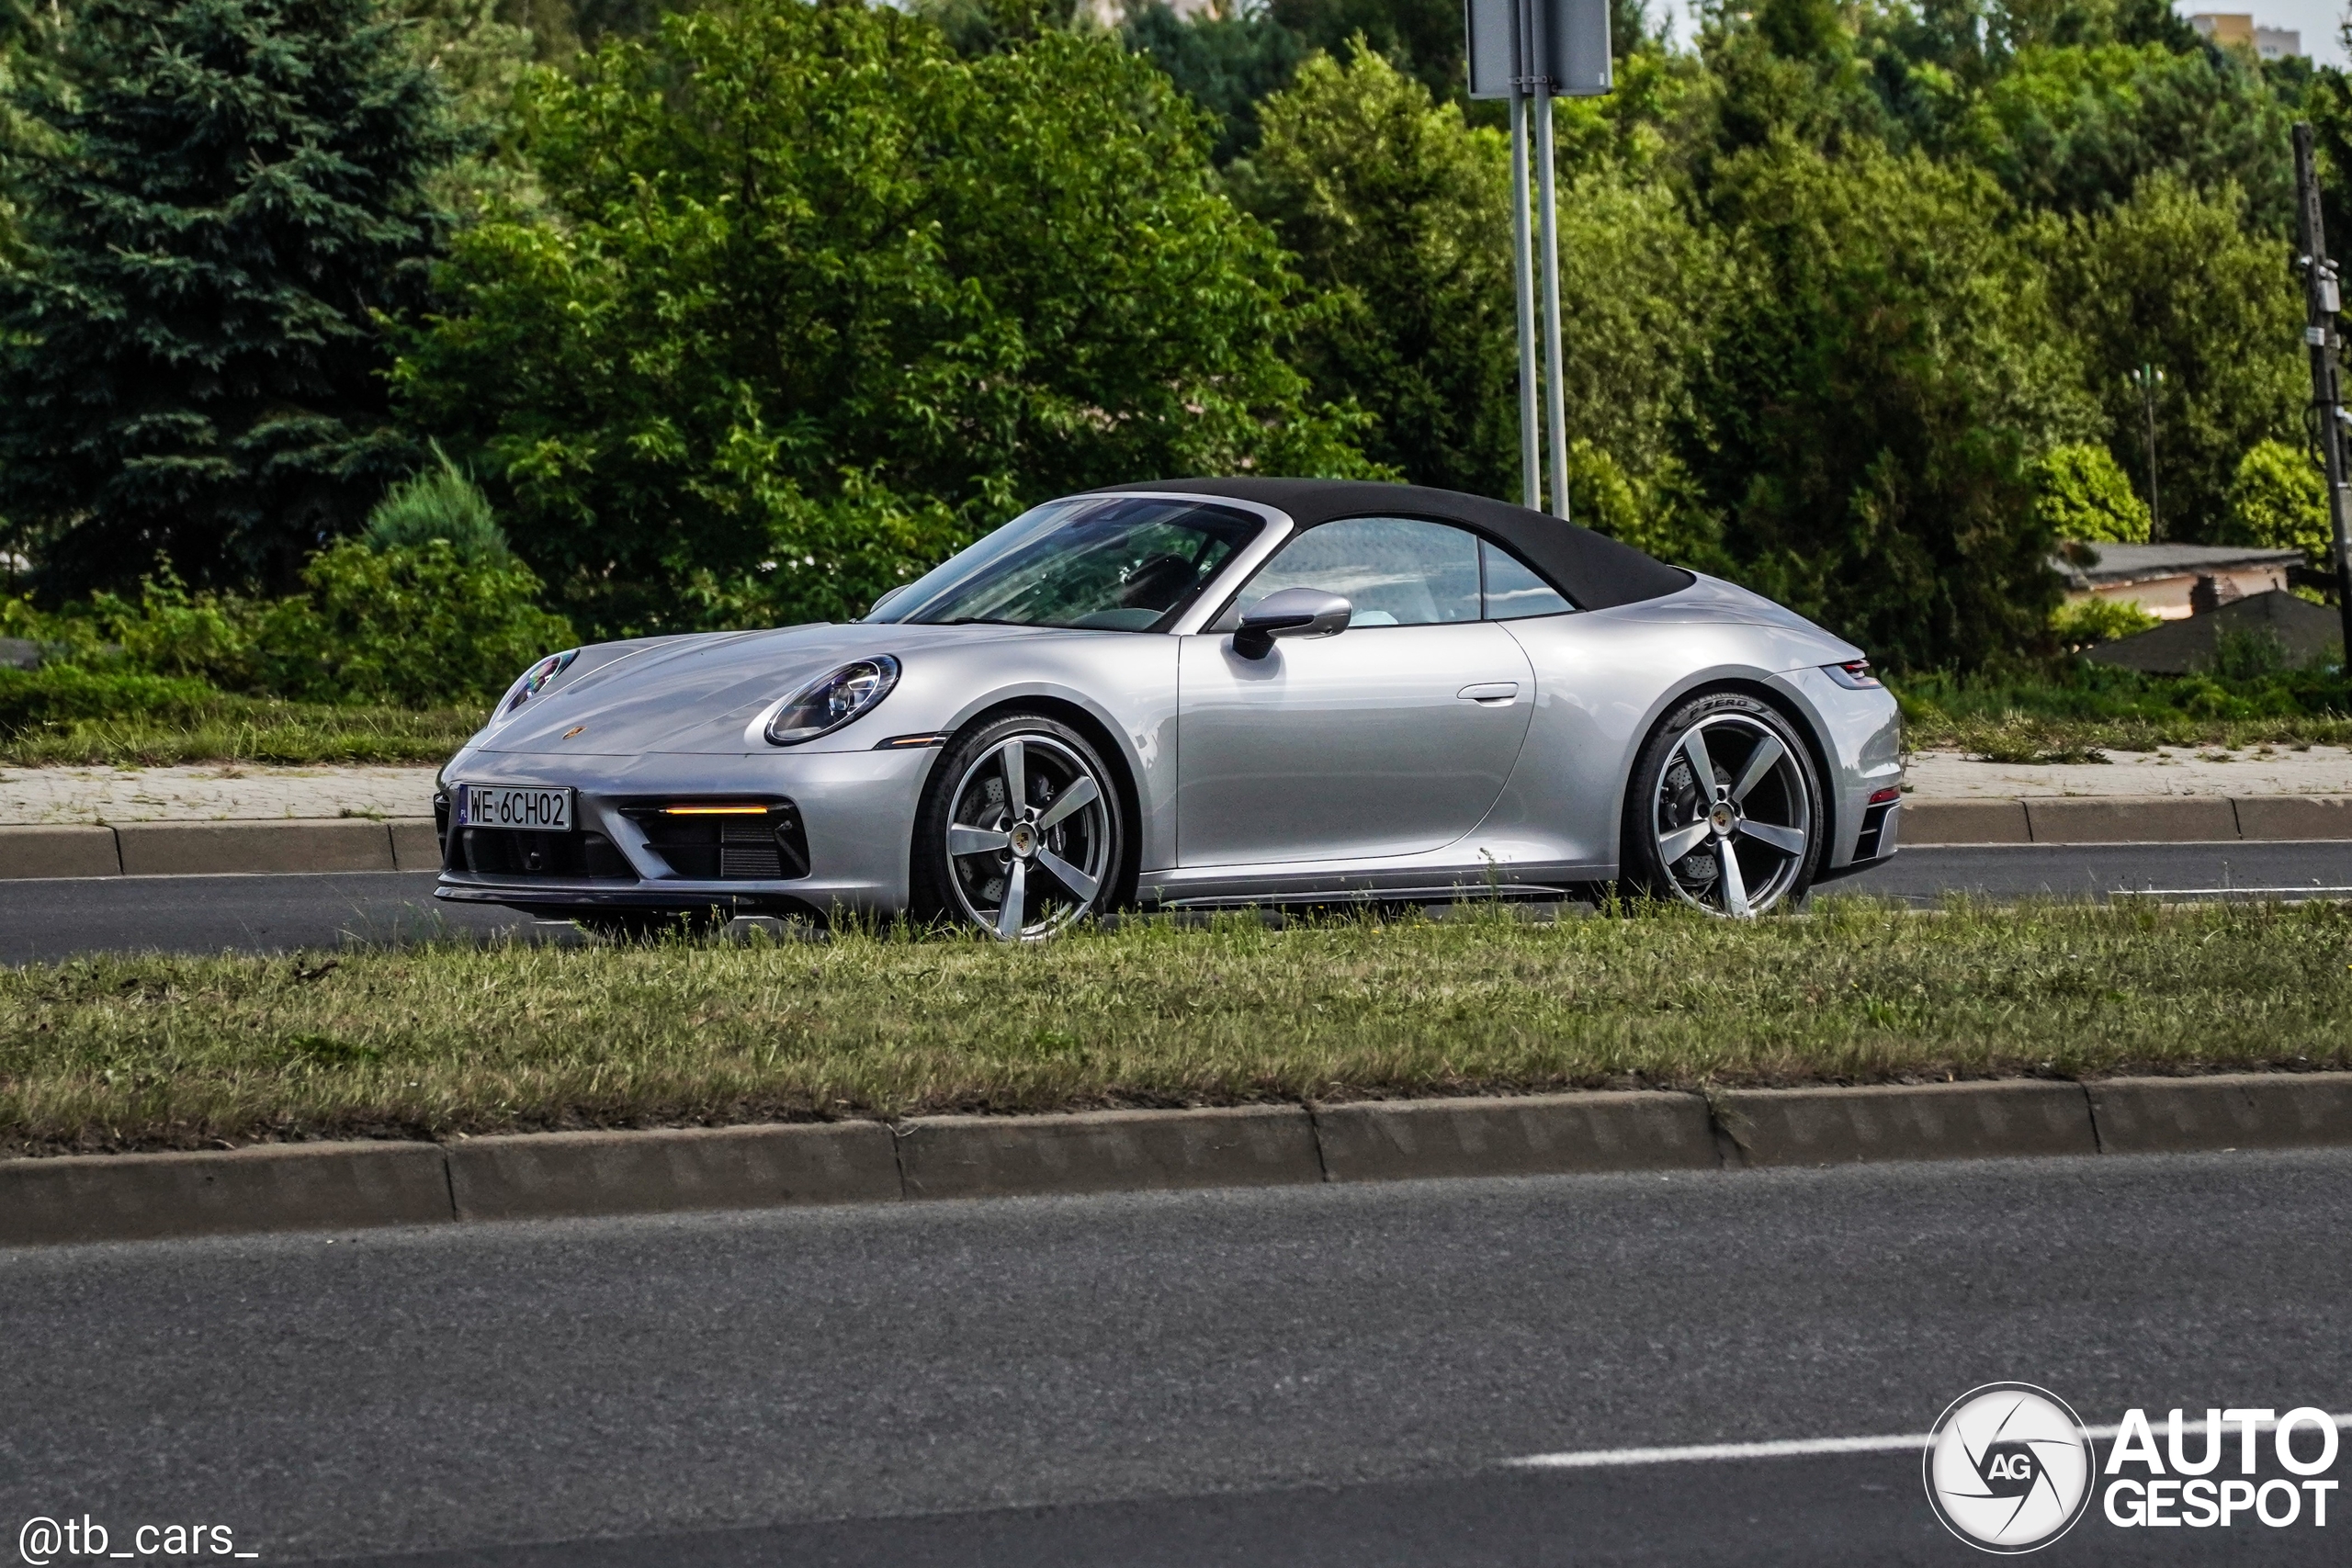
699	694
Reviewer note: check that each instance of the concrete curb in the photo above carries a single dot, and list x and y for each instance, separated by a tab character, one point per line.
282	1187
2126	820
221	848
542	1174
1395	1140
1107	1151
1958	1121
352	1186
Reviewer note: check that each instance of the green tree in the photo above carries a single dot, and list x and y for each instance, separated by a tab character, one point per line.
1399	216
1225	63
1874	399
2278	500
1422	38
823	297
190	358
2080	492
2078	130
2178	280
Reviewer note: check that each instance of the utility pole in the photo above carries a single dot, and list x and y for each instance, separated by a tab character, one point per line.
1531	52
2322	299
2148	379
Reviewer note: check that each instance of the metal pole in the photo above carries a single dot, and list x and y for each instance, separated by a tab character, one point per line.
2148	407
1555	397
1531	449
2321	303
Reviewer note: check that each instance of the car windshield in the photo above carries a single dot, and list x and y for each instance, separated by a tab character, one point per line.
1120	563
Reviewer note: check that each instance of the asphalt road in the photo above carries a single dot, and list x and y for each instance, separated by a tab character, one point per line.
1296	1376
45	921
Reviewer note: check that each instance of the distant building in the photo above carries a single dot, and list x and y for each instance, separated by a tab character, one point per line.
2171	581
2267	43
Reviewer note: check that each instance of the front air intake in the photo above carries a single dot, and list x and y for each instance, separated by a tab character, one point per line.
733	840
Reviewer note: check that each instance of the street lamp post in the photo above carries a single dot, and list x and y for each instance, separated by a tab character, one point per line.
2320	304
2147	379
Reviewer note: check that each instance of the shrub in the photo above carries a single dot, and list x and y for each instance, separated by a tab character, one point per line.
59	694
440	502
417	628
2279	499
412	627
2087	621
2081	493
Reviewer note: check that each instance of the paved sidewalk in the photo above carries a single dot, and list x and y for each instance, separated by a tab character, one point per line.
209	793
2253	771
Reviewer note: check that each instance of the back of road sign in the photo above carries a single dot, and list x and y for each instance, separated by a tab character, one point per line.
1571	46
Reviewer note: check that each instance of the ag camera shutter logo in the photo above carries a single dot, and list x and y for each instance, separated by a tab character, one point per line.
2009	1468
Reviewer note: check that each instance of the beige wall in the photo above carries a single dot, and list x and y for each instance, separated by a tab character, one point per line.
2167	597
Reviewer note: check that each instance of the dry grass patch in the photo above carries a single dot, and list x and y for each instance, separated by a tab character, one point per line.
430	1041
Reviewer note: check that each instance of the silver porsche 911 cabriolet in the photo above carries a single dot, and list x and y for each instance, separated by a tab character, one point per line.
1195	693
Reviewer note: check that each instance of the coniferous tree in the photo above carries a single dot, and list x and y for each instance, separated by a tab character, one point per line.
191	351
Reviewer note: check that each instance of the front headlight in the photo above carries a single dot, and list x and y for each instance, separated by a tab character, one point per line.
824	706
535	679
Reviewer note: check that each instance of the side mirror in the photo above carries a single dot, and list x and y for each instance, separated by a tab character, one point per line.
1291	612
879	604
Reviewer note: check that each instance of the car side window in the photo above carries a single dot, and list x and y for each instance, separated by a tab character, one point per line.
1513	592
1396	572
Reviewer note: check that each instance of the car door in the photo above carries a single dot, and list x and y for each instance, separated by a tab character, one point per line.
1390	738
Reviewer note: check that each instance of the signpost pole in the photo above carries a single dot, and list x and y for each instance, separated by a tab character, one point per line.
1523	259
1556	416
1530	51
2321	301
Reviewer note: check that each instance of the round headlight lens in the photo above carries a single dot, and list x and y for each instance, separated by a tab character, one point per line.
825	705
535	677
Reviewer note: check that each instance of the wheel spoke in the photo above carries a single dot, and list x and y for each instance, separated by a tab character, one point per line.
1080	793
1007	915
963	841
1673	846
1012	757
1766	755
1702	767
1788	840
1735	885
1068	875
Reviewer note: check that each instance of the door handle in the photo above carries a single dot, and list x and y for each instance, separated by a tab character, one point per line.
1494	693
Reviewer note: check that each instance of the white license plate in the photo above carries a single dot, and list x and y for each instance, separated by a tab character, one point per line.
510	805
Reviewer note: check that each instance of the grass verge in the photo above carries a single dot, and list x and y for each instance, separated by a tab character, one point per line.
245	729
2076	711
158	1052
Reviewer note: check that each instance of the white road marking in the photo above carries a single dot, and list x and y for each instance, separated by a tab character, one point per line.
1788	1447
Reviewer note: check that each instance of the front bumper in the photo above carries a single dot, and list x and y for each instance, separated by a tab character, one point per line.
855	810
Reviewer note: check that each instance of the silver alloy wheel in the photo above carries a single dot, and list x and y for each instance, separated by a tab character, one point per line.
1732	817
1029	838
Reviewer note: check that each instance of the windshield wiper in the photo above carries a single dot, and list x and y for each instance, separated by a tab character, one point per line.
981	621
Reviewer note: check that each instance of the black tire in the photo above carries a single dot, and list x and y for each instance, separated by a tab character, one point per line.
1074	860
1772	832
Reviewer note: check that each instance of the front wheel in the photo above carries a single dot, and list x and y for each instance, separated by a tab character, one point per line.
1020	831
1724	810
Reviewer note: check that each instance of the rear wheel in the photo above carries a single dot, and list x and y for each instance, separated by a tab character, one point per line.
1020	831
1724	811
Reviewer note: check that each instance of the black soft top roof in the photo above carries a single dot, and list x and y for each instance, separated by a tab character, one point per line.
1595	572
